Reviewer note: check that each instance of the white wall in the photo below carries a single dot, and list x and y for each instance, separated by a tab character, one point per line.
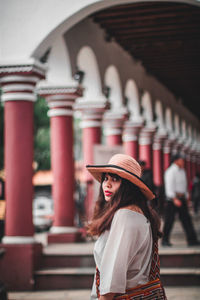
30	27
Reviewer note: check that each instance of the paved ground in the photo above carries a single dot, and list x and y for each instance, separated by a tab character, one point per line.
173	293
192	293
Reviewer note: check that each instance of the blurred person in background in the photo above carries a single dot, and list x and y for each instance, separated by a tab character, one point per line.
176	192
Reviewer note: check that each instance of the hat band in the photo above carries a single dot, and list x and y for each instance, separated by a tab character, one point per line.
116	167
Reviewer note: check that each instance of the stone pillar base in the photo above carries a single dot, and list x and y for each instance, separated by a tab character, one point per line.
18	264
59	238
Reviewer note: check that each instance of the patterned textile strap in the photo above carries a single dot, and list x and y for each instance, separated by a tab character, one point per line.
150	291
155	264
97	282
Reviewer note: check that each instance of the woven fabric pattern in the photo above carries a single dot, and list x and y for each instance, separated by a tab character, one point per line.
153	290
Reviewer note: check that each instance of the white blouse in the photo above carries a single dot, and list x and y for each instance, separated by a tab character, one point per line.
123	254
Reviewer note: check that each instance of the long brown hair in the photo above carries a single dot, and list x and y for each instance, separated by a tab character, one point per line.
127	194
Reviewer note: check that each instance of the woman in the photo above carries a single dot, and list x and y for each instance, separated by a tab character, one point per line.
128	229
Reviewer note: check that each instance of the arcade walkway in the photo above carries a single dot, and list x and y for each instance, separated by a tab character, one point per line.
173	293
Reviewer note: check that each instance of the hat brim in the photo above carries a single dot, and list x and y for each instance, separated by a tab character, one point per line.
98	170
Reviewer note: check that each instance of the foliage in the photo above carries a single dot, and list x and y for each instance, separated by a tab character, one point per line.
41	135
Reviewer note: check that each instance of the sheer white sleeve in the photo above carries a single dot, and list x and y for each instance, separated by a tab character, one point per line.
122	244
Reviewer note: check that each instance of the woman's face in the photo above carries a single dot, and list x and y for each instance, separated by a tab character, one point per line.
110	186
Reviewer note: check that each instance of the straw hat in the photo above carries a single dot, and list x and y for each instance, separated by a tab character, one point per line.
124	166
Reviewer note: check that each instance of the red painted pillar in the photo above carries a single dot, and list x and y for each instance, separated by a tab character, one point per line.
145	146
130	138
158	162
91	136
114	137
166	158
113	124
18	95
21	250
61	102
167	153
188	166
18	165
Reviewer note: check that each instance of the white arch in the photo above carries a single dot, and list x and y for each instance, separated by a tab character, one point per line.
160	119
176	125
169	121
133	105
184	129
86	62
159	114
112	80
59	66
146	104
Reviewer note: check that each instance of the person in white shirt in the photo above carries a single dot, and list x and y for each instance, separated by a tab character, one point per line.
127	231
176	192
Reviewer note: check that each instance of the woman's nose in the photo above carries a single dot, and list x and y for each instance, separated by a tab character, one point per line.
108	182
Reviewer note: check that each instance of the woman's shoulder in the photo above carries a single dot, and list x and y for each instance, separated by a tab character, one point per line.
129	217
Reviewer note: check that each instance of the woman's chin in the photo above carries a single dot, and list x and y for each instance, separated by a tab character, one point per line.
107	198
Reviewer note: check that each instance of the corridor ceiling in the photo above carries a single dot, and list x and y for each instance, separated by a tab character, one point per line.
165	37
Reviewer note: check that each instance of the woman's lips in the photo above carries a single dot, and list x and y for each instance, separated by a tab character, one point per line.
107	193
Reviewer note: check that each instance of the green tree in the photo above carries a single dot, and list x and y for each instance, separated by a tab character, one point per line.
41	135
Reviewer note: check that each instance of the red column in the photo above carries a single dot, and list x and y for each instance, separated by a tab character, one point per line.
130	138
91	137
22	253
60	101
113	124
188	166
18	95
91	125
114	137
157	162
167	153
145	146
18	165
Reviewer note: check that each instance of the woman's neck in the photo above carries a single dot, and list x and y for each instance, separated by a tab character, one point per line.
135	208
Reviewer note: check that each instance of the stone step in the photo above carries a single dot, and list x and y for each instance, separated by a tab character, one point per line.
179	257
169	258
76	261
180	276
82	278
64	278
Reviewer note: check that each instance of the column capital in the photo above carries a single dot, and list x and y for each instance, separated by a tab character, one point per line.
113	121
18	80
59	92
91	106
92	112
146	135
167	145
159	138
131	130
60	99
31	67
